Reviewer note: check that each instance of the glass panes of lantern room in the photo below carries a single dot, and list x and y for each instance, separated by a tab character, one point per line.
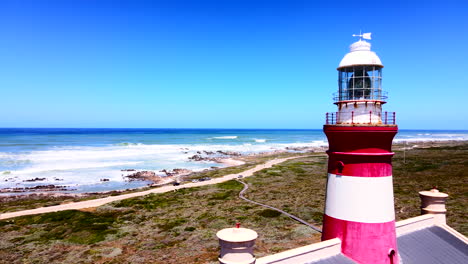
360	83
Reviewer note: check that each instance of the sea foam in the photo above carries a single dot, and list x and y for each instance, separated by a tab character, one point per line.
226	137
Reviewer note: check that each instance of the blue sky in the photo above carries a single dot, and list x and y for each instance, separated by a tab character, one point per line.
224	64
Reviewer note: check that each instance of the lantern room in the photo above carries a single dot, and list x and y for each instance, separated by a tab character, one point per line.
360	83
360	74
360	96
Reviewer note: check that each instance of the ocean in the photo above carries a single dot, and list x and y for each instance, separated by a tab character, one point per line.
79	158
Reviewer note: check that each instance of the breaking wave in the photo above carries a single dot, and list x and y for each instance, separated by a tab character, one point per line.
225	137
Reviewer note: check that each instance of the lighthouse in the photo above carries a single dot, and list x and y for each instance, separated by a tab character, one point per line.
359	207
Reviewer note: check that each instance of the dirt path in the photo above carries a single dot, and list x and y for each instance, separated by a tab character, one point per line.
102	201
241	195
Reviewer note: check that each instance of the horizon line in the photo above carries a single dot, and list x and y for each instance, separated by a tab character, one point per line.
213	128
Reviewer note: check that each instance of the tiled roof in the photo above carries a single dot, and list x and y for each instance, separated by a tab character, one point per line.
337	259
432	245
420	241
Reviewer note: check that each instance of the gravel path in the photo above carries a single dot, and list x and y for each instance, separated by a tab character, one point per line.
102	201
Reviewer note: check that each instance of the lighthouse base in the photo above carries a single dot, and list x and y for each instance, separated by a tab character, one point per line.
363	242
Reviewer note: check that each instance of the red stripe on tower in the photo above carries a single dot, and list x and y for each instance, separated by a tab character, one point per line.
362	241
359	206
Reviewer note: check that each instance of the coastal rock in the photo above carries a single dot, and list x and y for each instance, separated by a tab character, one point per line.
197	158
229	153
143	176
38	188
176	172
35	180
201	158
181	171
217	156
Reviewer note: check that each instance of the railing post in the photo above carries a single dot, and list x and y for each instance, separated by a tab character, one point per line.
394	117
386	115
326	118
370	117
352	117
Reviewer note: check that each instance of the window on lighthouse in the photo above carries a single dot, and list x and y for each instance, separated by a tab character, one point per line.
360	83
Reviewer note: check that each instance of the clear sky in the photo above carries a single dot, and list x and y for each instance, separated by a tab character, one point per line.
224	64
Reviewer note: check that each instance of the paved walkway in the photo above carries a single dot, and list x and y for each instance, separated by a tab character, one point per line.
102	201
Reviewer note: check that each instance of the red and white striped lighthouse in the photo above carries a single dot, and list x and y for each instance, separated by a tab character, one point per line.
359	207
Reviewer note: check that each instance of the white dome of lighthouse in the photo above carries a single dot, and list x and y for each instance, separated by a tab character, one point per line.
360	54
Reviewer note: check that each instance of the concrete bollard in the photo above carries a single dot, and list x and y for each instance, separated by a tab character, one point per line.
433	202
237	245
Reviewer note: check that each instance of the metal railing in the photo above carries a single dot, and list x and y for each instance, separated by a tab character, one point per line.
330	118
360	94
333	118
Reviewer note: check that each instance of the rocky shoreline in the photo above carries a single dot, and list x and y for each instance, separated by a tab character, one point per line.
38	188
155	178
167	176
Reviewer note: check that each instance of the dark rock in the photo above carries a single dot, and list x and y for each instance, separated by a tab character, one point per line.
143	176
34	180
229	153
176	172
197	158
39	188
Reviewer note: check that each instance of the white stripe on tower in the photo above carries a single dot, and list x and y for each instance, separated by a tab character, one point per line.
360	199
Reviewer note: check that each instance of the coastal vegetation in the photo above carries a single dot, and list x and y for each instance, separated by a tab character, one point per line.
420	169
180	226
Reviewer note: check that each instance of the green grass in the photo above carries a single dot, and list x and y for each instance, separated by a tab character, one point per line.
269	213
151	202
70	226
422	169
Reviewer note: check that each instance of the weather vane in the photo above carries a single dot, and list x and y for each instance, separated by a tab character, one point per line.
363	35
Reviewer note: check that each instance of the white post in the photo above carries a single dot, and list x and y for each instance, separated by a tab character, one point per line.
237	245
433	202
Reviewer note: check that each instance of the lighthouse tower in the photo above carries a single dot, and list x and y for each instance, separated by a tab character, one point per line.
359	207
